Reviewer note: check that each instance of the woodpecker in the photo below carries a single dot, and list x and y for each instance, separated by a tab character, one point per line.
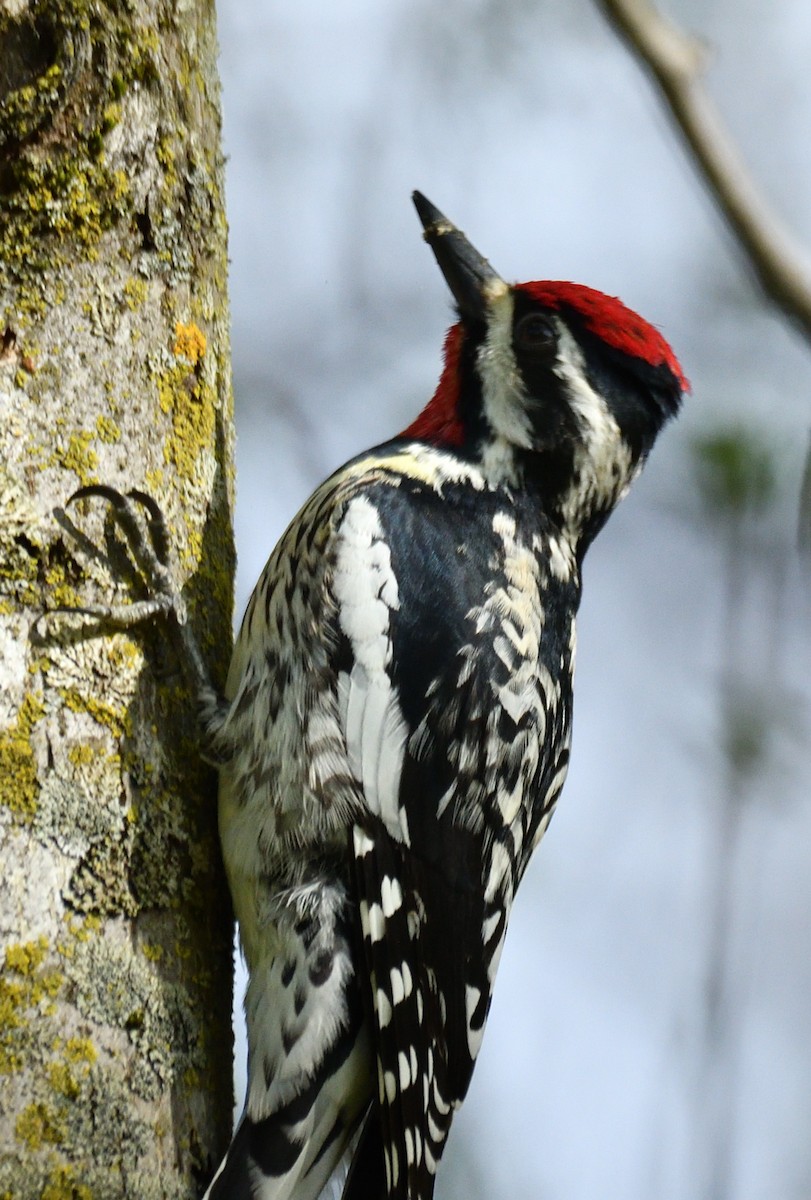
395	729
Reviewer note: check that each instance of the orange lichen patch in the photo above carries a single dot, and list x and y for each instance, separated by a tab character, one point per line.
190	342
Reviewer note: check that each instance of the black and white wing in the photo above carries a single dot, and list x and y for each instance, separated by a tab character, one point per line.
435	859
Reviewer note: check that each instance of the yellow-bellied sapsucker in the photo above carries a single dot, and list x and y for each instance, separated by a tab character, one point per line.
396	725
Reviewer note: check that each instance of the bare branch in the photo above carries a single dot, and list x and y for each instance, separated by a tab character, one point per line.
676	62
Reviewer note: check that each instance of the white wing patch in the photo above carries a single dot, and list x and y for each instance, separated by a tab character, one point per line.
366	593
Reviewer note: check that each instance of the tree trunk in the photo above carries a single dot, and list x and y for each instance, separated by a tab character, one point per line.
115	926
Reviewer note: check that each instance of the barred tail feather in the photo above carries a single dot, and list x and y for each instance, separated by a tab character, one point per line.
407	1022
291	1154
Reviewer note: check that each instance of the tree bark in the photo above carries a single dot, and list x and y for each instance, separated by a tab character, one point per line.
115	926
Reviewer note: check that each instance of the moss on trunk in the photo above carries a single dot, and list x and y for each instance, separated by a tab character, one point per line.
115	927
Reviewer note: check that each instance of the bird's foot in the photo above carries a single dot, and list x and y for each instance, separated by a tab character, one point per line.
136	547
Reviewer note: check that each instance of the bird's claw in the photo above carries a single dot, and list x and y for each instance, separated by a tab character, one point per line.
140	524
137	546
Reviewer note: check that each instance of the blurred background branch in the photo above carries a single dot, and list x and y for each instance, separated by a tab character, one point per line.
676	62
736	478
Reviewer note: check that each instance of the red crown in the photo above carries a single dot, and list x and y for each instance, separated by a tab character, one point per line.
608	318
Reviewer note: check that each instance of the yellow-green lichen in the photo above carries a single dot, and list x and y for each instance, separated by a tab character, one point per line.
62	1184
107	430
61	591
117	987
26	983
56	206
165	154
67	200
19	554
81	755
78	456
12	1025
135	293
185	395
26	957
38	1125
111	716
62	1080
67	1073
79	931
138	50
28	107
80	1050
154	480
19	786
110	117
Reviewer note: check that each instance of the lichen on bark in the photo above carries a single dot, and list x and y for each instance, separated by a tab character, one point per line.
114	367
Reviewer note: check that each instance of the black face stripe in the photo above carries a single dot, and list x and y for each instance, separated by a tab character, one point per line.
471	401
619	380
553	425
640	396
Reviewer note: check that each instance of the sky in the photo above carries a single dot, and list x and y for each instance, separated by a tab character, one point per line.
667	875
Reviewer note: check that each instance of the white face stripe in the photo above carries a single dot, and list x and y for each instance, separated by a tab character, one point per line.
603	462
603	458
503	391
595	421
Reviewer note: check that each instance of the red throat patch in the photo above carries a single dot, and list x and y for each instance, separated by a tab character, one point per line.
439	422
608	318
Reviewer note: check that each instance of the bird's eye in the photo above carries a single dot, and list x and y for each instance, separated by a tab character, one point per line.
535	334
